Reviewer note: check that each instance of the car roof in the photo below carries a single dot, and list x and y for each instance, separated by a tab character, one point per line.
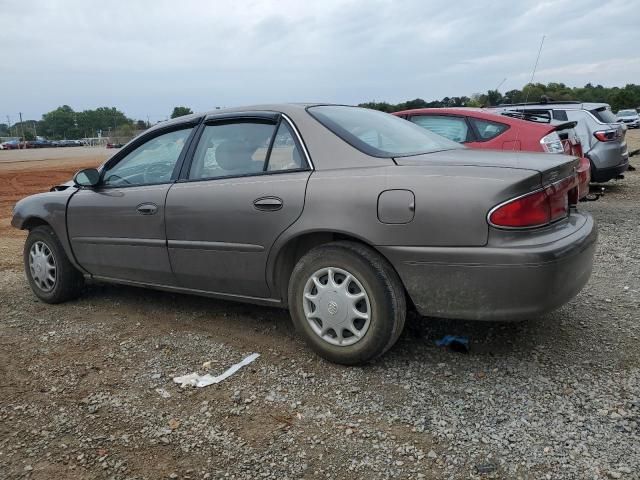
555	105
286	108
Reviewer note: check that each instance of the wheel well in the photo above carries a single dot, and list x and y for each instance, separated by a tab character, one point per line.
297	247
33	222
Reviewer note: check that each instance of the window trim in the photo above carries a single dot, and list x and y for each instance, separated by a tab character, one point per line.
141	140
471	132
274	118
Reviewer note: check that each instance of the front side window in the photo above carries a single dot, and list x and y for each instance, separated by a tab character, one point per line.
487	129
152	162
379	134
453	128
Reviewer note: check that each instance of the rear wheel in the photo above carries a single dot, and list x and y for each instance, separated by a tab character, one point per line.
51	275
347	302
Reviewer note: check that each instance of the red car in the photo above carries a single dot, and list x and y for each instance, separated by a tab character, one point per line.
479	128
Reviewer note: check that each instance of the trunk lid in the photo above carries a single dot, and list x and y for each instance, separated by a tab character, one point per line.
551	167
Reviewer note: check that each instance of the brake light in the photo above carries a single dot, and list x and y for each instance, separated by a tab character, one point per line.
537	208
606	135
551	143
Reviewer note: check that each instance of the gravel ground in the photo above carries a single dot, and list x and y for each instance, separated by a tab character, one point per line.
86	389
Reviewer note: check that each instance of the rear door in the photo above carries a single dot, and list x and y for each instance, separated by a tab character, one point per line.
244	186
117	229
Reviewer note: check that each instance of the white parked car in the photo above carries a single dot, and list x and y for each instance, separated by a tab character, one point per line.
629	117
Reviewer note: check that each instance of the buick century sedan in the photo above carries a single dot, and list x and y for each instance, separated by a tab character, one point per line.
347	216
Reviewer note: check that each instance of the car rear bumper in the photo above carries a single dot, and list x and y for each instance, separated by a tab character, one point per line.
606	174
498	283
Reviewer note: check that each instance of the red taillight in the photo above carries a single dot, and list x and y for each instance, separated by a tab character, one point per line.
538	208
606	135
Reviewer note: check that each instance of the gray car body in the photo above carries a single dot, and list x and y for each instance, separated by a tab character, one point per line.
426	214
608	159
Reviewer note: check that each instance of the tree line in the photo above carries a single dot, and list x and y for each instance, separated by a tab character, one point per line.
618	97
66	123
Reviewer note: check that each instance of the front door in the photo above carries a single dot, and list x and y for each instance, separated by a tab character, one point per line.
244	187
117	229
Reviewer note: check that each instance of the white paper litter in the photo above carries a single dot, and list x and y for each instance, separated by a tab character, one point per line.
195	380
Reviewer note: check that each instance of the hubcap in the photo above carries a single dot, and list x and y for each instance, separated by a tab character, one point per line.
42	266
336	306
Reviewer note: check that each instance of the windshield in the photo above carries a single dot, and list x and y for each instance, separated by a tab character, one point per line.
379	134
627	113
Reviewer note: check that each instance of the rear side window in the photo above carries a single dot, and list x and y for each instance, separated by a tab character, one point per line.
453	128
487	129
604	115
560	115
284	151
232	149
379	134
244	148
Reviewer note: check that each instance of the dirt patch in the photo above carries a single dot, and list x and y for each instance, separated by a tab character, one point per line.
83	385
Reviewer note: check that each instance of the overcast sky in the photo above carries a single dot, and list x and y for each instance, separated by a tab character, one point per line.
145	57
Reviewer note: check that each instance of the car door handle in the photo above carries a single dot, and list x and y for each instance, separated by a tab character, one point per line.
147	208
268	204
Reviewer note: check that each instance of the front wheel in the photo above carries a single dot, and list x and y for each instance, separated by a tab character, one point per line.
51	275
347	302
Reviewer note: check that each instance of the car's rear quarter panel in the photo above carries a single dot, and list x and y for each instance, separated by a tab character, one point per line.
451	203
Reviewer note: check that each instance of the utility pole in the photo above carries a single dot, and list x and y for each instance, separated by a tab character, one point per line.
35	132
9	124
22	130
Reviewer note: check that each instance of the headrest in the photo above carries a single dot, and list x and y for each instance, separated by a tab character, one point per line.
234	154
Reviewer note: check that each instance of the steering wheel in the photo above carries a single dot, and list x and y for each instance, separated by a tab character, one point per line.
158	172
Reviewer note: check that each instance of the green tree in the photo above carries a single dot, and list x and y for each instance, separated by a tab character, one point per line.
181	111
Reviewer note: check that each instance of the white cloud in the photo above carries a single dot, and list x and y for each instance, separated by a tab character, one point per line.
147	56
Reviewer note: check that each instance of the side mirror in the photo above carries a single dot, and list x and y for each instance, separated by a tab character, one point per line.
89	177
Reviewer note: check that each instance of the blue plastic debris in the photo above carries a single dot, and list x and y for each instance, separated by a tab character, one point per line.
455	343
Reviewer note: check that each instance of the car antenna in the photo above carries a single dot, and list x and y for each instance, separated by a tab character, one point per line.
526	98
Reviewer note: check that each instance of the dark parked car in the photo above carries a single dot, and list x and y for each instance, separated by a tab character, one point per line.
10	145
114	145
348	216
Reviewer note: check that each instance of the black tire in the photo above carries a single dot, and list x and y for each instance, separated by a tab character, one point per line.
382	285
68	280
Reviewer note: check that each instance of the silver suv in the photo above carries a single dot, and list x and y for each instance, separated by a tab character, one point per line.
602	137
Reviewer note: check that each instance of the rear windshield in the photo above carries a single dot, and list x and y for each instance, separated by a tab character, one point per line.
379	134
627	113
604	115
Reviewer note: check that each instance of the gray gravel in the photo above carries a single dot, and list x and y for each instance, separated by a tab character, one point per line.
86	388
